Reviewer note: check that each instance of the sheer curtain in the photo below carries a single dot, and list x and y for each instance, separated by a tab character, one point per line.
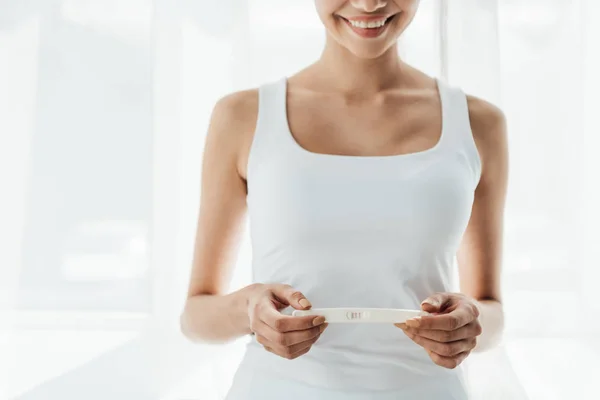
103	109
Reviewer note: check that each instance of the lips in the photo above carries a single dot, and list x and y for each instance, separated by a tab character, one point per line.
364	31
368	18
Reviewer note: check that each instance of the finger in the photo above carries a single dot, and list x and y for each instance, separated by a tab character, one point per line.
287	338
468	331
286	323
293	337
448	362
435	303
271	350
445	322
301	352
289	352
449	349
265	342
291	297
275	342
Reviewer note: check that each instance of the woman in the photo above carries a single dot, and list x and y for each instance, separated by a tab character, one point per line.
363	178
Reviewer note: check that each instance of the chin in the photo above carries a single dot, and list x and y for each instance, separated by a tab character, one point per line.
368	52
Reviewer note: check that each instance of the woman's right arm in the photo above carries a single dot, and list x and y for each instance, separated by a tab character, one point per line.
211	315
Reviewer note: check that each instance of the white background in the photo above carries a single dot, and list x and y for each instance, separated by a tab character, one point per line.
103	110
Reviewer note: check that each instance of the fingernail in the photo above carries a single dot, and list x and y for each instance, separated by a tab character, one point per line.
401	326
322	327
319	320
414	322
304	303
433	303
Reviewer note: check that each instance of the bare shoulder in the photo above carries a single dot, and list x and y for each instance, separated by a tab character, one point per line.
232	125
488	124
234	111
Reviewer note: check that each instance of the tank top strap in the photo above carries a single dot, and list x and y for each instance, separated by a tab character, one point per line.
457	126
270	121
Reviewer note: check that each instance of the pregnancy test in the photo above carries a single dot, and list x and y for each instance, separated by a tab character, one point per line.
362	315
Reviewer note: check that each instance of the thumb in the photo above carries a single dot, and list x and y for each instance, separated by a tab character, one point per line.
290	296
435	303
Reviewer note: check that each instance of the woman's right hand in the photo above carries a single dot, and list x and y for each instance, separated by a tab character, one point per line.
287	336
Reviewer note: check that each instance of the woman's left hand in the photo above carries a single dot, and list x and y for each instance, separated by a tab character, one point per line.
450	334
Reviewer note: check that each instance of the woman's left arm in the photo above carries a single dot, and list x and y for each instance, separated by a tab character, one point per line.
480	253
473	320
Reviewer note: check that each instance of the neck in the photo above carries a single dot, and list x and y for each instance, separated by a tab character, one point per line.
343	71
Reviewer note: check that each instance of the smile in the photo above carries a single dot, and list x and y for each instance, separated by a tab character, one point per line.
368	27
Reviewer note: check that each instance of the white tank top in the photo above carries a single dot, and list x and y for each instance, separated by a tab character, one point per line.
353	231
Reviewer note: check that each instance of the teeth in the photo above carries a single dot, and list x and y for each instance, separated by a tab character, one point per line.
368	25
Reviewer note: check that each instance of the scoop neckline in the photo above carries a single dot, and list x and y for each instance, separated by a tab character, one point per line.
300	149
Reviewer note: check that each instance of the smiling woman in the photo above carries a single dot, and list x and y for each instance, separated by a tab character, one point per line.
363	177
97	230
